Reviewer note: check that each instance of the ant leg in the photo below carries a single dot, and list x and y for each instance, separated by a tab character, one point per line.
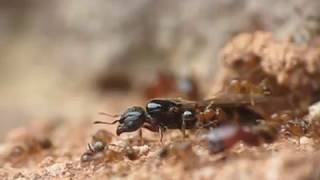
161	131
187	116
140	136
251	99
90	148
183	128
161	135
153	128
209	124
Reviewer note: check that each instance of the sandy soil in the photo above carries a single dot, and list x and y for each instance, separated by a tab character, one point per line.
55	149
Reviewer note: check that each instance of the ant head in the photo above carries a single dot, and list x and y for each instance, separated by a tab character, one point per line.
131	120
159	107
265	87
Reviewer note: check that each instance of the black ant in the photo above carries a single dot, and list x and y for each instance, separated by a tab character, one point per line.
162	114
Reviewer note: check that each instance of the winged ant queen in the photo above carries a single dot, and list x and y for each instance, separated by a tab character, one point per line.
161	114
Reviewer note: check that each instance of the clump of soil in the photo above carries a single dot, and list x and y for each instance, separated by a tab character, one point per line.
291	70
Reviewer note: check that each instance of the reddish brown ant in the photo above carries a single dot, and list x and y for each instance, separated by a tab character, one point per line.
238	87
291	123
226	136
246	87
30	146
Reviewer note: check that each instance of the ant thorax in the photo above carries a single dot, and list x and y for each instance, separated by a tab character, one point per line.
169	113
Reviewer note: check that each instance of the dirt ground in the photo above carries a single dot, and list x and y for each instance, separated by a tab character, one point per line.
55	149
284	159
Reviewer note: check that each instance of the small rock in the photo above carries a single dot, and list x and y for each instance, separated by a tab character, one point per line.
56	169
305	140
48	161
143	150
314	112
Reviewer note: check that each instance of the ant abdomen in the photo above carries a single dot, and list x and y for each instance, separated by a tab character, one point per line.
267	133
249	137
225	137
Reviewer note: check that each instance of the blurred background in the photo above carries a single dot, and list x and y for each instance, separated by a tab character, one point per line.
62	58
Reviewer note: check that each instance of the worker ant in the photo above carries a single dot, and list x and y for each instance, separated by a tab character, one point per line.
20	151
266	131
292	123
101	149
237	87
225	137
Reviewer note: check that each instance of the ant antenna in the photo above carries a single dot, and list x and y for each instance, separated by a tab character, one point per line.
109	115
103	122
90	147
